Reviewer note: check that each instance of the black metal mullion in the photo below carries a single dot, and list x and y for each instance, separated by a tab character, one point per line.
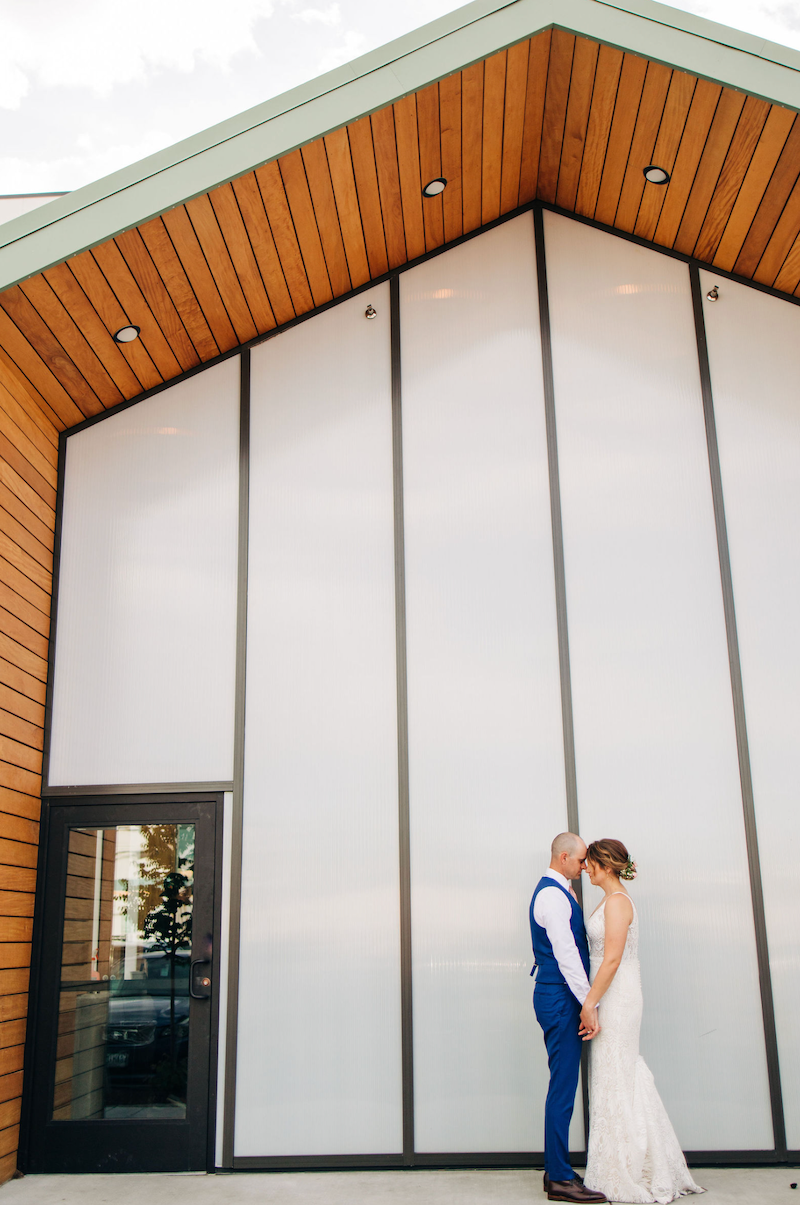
232	1014
51	645
557	527
452	1160
406	999
567	717
740	722
133	788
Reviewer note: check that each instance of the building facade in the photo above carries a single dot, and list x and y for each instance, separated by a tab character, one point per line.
406	532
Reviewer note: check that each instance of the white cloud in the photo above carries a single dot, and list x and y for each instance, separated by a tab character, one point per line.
320	16
91	163
353	45
97	44
14	84
777	22
788	15
167	68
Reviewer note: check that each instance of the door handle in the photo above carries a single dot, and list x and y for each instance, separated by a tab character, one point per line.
199	980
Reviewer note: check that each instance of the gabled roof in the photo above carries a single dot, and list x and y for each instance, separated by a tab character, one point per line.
245	226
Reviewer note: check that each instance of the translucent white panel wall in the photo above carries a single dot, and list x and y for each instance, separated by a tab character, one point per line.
485	741
319	1048
655	743
146	631
754	353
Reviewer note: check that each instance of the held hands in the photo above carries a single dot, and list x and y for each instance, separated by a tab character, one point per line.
590	1022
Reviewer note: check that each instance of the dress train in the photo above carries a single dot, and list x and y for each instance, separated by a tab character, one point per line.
633	1153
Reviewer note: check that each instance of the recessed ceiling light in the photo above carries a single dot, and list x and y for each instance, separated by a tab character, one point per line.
126	334
434	187
656	175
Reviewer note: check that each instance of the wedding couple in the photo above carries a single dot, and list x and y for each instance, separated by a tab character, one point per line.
633	1154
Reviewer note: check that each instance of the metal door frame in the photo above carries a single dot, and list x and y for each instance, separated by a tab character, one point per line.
80	1146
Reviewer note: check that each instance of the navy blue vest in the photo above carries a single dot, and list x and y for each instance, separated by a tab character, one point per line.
546	962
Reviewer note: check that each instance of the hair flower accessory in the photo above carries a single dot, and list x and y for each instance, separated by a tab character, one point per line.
629	871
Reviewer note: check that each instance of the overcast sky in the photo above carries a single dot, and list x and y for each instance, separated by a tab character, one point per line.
88	86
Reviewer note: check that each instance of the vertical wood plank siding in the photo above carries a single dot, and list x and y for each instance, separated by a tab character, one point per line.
28	467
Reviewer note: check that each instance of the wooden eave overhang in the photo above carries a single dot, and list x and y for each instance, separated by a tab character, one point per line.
226	236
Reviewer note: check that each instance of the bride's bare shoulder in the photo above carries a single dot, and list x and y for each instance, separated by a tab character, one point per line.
620	907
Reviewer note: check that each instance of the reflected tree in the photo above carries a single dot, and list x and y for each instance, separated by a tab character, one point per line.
168	928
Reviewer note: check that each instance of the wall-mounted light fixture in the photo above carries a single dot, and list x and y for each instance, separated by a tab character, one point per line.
713	294
370	312
126	334
434	187
656	175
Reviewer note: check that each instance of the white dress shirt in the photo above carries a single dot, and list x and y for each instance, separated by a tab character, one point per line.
553	912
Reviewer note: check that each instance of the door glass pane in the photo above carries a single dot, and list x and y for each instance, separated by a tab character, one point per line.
123	1027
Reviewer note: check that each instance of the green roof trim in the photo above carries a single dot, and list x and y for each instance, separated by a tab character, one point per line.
99	211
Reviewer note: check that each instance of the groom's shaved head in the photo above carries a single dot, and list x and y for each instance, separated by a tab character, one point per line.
567	843
567	854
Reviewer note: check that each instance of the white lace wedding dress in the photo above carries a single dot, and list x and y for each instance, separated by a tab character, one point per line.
633	1152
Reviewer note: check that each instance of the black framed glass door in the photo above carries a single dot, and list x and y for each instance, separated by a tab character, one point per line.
121	1048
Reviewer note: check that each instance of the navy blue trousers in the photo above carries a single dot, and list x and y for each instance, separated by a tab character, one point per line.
558	1013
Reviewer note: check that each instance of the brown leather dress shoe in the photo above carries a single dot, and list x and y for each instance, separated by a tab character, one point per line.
572	1190
546	1180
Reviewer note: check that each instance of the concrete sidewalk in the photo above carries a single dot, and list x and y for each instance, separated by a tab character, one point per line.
726	1186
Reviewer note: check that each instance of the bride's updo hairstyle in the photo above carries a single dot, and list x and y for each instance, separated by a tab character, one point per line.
612	855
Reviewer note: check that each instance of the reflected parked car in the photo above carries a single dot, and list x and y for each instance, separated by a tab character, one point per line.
144	1061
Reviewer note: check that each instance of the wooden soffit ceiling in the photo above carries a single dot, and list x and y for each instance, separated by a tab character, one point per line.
559	118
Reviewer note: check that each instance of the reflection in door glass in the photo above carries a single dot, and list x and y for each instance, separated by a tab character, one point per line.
123	1027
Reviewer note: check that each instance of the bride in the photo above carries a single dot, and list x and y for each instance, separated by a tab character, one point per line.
633	1153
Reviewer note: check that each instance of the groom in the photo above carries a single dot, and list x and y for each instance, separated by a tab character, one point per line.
561	954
